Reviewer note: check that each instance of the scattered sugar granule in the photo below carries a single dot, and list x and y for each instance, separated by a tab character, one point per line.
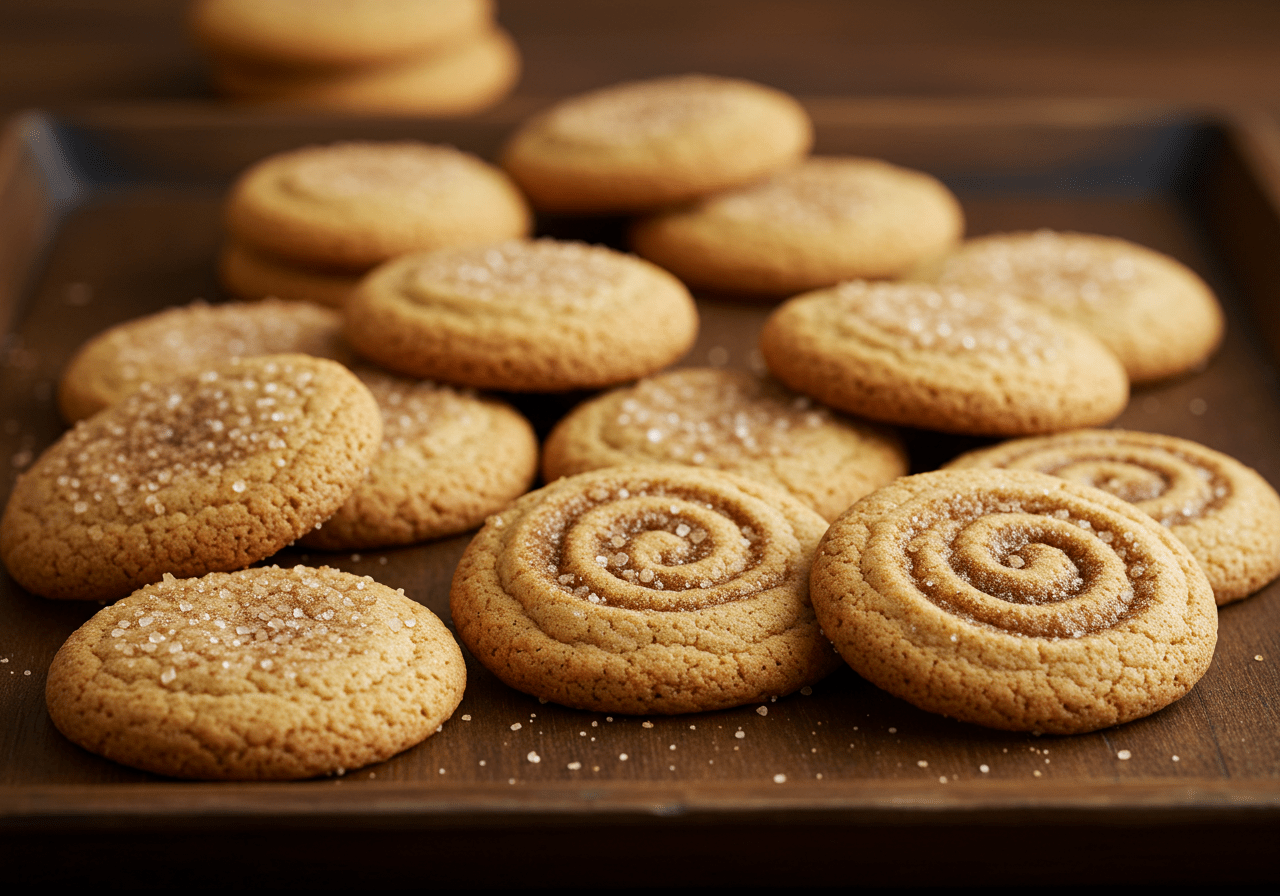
984	768
942	779
762	710
1176	758
622	756
779	779
923	763
646	724
574	766
533	757
516	727
466	717
1257	657
893	730
1123	754
740	734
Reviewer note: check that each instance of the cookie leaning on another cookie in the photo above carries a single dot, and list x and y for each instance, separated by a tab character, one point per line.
1224	512
250	275
656	589
1014	600
815	224
965	361
263	674
213	470
733	421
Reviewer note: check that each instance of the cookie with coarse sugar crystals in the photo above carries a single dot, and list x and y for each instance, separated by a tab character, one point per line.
734	421
1224	512
262	674
965	361
1158	317
449	459
354	205
524	316
211	471
158	347
650	589
335	33
642	145
815	224
1014	600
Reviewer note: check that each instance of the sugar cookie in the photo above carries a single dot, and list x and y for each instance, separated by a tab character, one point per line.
250	275
734	421
259	674
1014	600
655	589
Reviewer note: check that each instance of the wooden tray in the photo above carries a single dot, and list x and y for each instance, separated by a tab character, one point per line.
111	214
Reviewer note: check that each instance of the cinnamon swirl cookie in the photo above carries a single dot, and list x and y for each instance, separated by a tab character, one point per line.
1226	513
1014	600
655	589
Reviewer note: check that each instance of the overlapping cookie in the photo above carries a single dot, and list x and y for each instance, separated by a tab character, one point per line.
526	316
1014	600
967	361
1224	512
1158	317
259	674
155	348
643	145
825	220
248	274
734	421
657	589
213	470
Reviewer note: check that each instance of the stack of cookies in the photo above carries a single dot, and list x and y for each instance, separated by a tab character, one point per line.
417	57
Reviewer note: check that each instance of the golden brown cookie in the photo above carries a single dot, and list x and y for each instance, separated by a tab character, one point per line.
449	459
822	221
1224	512
734	421
642	145
1014	600
654	589
354	205
334	33
524	316
259	674
964	361
461	79
250	275
152	349
210	471
1158	317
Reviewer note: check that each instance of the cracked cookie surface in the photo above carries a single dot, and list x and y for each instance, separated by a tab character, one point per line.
259	674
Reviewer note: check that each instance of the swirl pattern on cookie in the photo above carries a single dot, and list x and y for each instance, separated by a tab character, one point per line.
645	589
1014	600
259	674
1224	512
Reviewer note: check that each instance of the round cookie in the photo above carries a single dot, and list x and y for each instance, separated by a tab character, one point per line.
654	589
448	460
263	674
940	358
822	221
334	33
152	349
524	316
460	80
1014	600
251	275
355	205
1224	512
1154	313
641	145
210	471
734	421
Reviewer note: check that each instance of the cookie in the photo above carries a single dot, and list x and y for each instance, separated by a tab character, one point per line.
255	675
1014	600
449	459
530	316
642	145
1154	313
822	221
211	471
964	361
462	79
642	590
1224	512
734	421
334	33
152	349
250	275
355	205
